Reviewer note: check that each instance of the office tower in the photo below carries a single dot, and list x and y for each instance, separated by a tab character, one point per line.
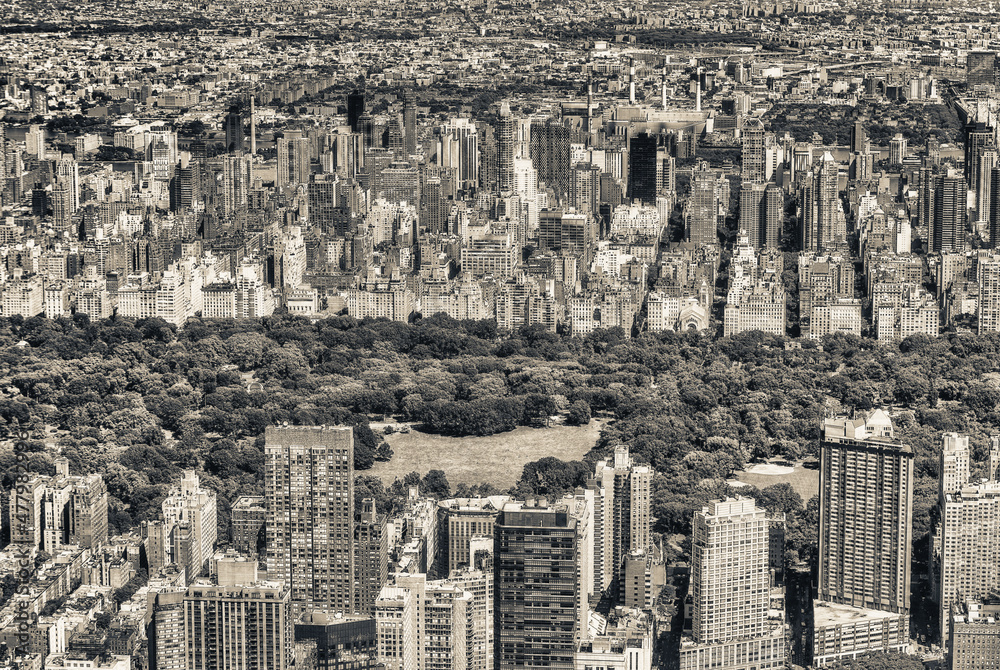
642	168
190	525
294	157
458	148
433	217
571	233
341	642
703	208
550	153
400	182
409	122
977	136
979	68
355	108
666	174
949	214
540	605
309	485
233	124
371	556
586	192
392	139
753	157
859	139
248	519
730	590
988	159
239	626
370	135
866	500
622	515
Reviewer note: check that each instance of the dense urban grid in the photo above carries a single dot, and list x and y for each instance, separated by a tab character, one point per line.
244	247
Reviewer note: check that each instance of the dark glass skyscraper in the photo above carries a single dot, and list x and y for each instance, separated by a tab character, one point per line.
355	108
642	168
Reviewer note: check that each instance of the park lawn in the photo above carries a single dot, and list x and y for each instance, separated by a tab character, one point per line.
804	481
497	459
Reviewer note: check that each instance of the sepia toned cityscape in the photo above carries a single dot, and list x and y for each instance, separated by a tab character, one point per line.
500	335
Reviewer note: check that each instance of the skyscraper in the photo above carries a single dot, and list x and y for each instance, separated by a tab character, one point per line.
866	500
190	525
371	556
753	157
988	159
980	67
550	153
967	541
865	539
540	605
622	515
309	486
233	125
761	213
949	214
458	148
642	168
730	589
409	122
703	208
237	626
977	136
294	157
355	108
859	139
505	147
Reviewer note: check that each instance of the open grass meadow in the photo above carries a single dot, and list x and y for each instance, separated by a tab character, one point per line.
497	459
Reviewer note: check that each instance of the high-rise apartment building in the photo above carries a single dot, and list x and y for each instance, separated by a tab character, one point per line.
64	509
540	602
371	556
865	538
762	209
238	627
309	486
950	197
966	544
622	491
703	207
731	591
248	518
753	157
190	525
988	307
505	147
977	136
294	157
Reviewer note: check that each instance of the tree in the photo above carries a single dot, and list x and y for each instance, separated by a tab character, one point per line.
435	484
384	452
579	414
